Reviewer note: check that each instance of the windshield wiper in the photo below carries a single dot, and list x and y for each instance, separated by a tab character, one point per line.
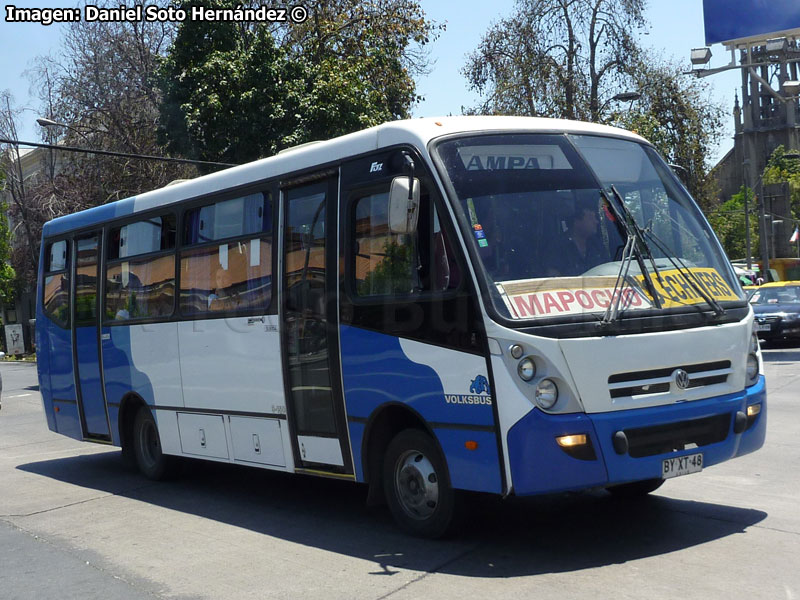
635	241
640	237
612	311
687	273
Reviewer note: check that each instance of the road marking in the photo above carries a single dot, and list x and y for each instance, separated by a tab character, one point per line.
18	396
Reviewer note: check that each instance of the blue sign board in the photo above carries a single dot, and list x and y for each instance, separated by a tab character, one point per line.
728	20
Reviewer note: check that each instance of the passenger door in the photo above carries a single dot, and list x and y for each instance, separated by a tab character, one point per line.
85	337
310	316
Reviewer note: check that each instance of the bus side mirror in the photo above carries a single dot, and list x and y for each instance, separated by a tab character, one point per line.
403	205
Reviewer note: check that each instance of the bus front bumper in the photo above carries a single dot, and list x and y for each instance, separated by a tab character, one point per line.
540	465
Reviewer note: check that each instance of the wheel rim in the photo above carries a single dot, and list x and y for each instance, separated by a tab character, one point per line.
417	485
149	443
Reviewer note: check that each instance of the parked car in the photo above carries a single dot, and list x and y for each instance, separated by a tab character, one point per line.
777	310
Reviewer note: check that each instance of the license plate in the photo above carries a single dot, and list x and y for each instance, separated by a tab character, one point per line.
764	327
681	465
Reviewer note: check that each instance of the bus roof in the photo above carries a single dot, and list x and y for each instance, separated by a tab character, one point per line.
418	132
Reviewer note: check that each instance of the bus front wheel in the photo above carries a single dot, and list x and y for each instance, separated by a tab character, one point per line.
152	462
416	485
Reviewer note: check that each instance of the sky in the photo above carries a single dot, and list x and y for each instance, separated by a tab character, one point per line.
676	26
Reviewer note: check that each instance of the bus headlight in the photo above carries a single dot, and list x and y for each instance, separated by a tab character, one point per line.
516	351
526	369
546	394
752	369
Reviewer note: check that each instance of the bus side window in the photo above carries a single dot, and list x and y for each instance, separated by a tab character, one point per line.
228	267
85	289
383	261
140	270
391	264
56	283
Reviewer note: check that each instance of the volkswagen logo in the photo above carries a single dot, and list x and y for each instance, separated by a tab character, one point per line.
681	379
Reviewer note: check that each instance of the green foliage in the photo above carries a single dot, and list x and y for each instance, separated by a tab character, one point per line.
677	115
556	58
236	92
393	275
85	306
222	91
569	58
781	169
728	222
7	274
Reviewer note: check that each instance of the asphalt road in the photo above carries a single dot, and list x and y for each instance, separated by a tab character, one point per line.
76	523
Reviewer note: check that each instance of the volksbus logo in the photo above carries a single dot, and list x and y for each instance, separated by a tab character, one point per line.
480	393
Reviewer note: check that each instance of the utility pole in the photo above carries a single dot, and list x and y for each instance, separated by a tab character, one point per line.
748	245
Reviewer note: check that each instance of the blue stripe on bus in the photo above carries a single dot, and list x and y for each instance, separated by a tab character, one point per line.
67	421
121	374
86	218
94	409
538	465
624	468
752	439
54	358
376	371
476	470
43	368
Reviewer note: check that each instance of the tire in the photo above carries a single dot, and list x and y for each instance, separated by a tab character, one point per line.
636	489
417	486
151	461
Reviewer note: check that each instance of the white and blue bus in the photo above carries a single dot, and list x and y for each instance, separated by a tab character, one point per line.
503	305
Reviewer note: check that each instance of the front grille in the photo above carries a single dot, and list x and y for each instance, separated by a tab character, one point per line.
658	381
639	390
660	439
770	319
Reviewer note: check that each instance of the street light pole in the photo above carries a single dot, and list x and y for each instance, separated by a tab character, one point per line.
748	244
747	228
120	154
50	123
762	228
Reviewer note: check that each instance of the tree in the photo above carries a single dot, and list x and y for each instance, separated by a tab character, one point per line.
7	274
782	169
728	223
237	92
676	113
102	84
569	58
22	206
225	90
556	58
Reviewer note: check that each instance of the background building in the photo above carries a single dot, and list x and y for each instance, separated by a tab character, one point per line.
764	44
23	168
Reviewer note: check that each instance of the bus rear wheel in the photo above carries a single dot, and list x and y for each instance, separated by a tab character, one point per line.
152	462
416	485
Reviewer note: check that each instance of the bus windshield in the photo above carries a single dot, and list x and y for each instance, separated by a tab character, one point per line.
568	225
